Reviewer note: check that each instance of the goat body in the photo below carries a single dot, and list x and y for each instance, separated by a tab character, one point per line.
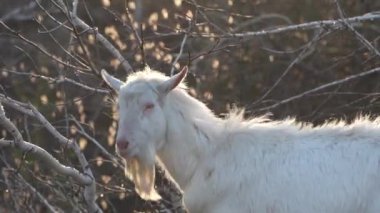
255	165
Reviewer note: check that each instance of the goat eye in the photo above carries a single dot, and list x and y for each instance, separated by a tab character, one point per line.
148	106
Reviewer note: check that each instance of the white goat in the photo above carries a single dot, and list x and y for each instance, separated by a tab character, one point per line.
236	165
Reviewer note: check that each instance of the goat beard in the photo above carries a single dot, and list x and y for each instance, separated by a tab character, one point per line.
141	170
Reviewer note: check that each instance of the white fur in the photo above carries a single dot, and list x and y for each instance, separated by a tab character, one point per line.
255	165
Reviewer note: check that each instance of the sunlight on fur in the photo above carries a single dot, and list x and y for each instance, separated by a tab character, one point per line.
142	175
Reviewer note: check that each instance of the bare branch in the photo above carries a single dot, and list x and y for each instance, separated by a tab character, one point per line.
11	191
81	130
25	12
11	172
38	152
325	86
61	80
308	49
332	24
181	49
87	179
360	37
55	58
76	21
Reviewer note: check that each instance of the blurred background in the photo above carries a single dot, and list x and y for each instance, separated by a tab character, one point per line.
47	61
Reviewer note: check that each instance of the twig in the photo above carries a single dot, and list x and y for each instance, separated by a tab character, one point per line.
359	36
324	86
62	48
303	54
142	48
10	190
76	21
217	10
181	49
61	80
10	171
261	18
16	14
60	24
204	15
40	48
93	140
129	19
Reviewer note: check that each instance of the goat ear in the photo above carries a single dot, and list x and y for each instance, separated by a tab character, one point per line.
173	81
113	82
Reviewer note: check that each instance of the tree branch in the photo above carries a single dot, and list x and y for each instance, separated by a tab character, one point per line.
333	24
87	179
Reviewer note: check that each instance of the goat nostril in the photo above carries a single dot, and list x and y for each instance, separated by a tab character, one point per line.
122	144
